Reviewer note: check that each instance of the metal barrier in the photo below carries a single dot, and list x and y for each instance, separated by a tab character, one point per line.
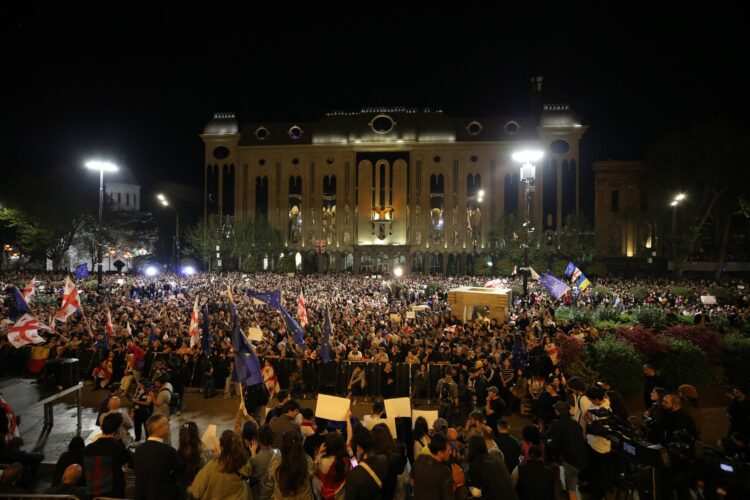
20	496
302	377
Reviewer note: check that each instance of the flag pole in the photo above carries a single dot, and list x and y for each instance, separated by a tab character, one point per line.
240	388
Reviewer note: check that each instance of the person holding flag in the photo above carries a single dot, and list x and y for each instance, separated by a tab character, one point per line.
25	331
325	349
18	305
194	330
273	299
71	302
301	310
28	292
247	370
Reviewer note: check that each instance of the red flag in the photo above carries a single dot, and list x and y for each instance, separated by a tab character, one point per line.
71	301
25	331
28	292
301	310
194	331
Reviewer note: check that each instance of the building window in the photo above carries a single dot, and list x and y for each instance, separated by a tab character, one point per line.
615	201
644	201
118	199
135	203
127	199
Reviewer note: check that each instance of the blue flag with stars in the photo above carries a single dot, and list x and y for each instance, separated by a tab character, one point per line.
246	362
273	299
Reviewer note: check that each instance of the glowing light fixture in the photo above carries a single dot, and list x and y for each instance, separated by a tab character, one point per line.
152	271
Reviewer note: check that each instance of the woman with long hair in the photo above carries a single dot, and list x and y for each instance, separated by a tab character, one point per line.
192	453
530	436
224	476
333	463
293	471
421	435
396	455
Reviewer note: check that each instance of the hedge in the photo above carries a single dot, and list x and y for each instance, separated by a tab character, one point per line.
618	362
682	363
651	316
735	356
704	338
645	341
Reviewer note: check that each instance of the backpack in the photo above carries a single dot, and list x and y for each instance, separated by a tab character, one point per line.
445	393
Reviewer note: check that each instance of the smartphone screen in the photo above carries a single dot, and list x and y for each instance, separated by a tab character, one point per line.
354	462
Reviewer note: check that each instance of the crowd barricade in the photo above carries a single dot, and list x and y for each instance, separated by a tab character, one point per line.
304	378
40	496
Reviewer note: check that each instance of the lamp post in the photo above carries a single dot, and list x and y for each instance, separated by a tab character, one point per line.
475	233
528	173
101	166
675	201
176	248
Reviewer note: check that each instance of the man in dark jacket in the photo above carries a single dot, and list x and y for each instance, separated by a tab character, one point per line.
432	477
568	444
285	422
536	480
365	482
103	460
508	444
157	464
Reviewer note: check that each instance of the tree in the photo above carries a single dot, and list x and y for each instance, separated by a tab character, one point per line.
203	238
708	162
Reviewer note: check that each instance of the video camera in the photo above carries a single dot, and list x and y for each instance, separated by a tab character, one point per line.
625	442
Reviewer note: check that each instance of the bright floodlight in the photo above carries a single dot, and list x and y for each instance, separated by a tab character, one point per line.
188	270
161	197
165	203
674	203
481	193
101	165
398	272
152	271
680	197
528	155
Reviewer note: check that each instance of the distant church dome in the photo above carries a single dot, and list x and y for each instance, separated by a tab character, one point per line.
123	190
222	123
558	115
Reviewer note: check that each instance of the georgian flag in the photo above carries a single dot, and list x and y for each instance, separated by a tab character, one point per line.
195	331
301	310
71	301
25	331
109	328
127	329
28	292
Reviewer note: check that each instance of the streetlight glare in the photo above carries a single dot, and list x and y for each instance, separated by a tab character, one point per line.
527	155
101	165
680	197
165	203
398	272
161	197
481	193
674	203
152	271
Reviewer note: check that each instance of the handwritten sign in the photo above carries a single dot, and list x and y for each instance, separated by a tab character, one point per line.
254	334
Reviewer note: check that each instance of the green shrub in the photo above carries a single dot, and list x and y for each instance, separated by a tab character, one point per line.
735	353
686	293
618	362
606	313
582	315
90	285
433	288
705	339
645	341
719	322
684	320
682	363
604	291
44	300
607	326
596	268
559	266
639	292
651	316
627	318
503	267
286	264
563	314
516	290
569	349
583	371
723	295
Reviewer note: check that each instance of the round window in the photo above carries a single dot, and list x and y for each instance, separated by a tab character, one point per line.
382	124
261	161
329	161
474	128
474	159
436	159
295	132
220	152
262	133
512	128
295	161
559	147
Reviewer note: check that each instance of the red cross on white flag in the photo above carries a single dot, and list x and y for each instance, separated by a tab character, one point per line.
301	310
28	292
25	331
194	330
320	245
71	301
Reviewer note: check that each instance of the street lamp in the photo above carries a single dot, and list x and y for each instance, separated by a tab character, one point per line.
176	248
528	173
101	166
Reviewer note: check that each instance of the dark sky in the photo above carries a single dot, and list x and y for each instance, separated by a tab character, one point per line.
139	85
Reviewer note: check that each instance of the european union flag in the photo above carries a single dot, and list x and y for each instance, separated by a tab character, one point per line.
205	333
20	306
82	271
273	299
325	350
577	277
554	286
246	362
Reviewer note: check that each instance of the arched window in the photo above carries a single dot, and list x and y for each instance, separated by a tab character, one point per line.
261	197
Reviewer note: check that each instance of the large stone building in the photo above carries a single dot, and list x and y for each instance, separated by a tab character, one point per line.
386	187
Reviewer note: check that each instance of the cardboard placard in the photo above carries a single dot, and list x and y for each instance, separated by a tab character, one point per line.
708	300
397	407
429	415
395	318
210	440
422	307
254	334
410	315
332	408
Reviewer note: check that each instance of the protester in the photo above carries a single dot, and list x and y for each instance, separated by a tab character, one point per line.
224	476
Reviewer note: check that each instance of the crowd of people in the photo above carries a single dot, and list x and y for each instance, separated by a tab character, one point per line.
477	372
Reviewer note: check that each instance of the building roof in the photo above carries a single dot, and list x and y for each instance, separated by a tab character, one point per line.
123	176
221	124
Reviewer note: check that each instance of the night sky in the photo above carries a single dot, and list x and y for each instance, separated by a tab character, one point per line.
138	86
